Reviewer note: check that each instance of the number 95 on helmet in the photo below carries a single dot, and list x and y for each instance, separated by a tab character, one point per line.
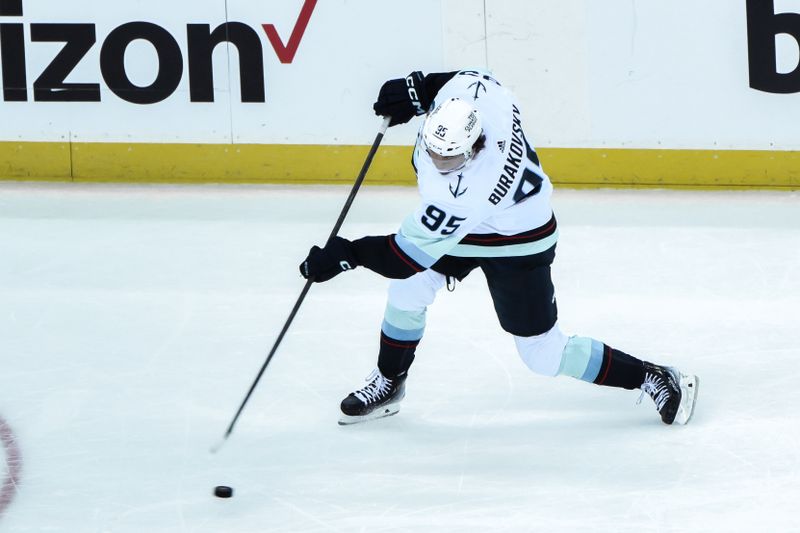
450	133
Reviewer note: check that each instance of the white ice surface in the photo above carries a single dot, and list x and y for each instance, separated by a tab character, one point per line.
134	319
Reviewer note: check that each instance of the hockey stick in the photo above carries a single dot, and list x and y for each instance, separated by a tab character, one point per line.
336	227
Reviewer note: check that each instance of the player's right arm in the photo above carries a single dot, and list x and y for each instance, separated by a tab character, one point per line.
381	254
424	237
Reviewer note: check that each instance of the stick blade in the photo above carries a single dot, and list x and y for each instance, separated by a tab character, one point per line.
217	446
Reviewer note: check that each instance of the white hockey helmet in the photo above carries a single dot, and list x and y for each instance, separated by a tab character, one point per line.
449	134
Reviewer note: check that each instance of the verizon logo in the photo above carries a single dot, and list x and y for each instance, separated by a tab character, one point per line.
78	39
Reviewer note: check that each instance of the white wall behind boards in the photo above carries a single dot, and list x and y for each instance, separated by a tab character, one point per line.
324	96
617	73
641	73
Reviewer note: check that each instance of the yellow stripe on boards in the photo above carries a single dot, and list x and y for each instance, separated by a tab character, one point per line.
241	163
332	164
35	161
726	169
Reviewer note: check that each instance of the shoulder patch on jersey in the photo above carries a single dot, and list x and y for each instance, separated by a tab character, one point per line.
478	86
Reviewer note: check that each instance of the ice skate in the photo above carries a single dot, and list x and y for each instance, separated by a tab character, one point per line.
673	393
380	398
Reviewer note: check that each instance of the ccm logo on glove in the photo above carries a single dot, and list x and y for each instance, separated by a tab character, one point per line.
326	263
402	99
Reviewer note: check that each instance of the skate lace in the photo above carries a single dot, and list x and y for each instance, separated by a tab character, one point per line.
378	387
655	386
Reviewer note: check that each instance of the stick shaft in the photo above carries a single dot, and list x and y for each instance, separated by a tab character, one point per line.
356	186
360	179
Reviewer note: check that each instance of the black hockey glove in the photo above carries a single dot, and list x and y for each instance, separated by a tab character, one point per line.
402	99
326	263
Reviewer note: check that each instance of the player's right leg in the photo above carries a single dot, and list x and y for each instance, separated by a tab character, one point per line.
401	331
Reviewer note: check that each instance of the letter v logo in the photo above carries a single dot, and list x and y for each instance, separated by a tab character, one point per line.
287	52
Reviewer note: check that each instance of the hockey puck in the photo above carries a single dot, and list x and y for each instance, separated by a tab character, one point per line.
221	491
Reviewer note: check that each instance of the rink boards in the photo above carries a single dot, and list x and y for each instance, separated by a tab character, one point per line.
232	91
332	164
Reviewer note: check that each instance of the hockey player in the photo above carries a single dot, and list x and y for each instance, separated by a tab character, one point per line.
485	203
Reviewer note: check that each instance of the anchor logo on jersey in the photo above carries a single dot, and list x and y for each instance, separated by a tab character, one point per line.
456	192
478	86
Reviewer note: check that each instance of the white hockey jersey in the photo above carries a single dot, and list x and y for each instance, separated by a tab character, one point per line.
498	205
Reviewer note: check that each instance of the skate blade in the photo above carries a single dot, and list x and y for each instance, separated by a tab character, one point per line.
383	412
689	388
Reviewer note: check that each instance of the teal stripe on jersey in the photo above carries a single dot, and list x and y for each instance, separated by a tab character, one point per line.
511	250
413	251
403	325
582	358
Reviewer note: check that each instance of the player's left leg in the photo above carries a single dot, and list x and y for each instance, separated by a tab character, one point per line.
524	299
555	354
587	359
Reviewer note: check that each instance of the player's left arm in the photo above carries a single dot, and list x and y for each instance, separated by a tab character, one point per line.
404	98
